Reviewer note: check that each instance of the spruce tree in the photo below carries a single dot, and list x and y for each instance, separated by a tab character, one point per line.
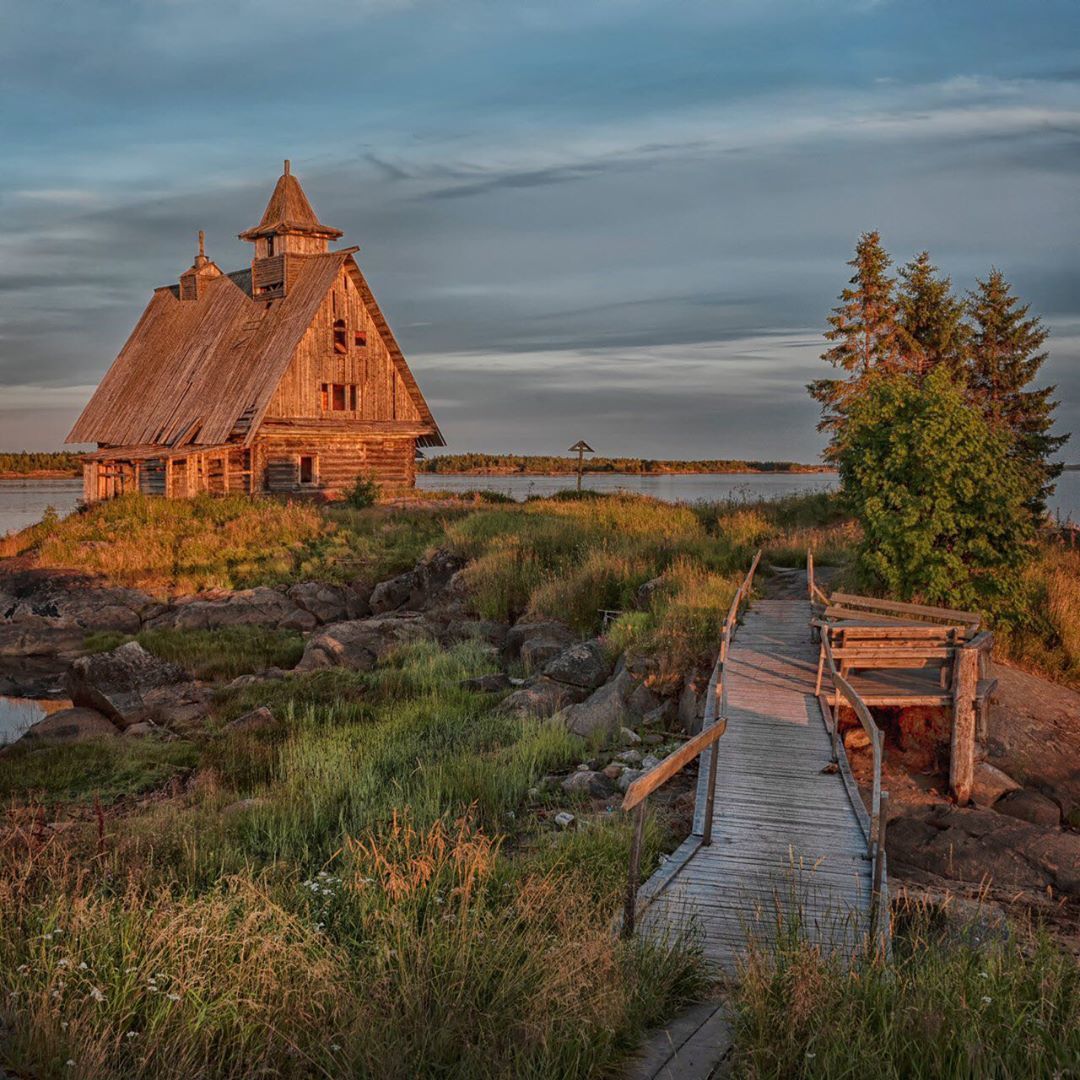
1006	353
869	340
932	317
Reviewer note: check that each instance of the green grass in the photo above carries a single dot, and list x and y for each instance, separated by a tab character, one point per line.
104	769
952	1003
221	653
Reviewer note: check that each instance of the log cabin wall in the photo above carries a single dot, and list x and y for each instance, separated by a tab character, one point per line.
363	361
336	461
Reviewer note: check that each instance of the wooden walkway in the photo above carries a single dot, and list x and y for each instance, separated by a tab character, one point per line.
788	847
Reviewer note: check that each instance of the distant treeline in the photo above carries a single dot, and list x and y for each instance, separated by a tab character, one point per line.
546	465
22	464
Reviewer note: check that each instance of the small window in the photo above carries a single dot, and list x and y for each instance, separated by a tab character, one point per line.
339	397
360	337
352	397
341	337
269	247
324	396
307	469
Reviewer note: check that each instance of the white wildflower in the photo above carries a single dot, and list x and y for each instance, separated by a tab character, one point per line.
986	1000
83	967
131	1035
96	994
173	997
63	962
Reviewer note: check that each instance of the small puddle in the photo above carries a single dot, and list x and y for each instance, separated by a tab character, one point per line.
17	715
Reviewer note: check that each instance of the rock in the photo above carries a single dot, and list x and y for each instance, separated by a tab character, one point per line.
327	603
644	597
493	633
980	845
256	720
587	782
141	730
564	819
663	716
691	707
629	757
541	697
604	711
989	784
261	606
394	593
359	643
649	761
419	588
1032	806
117	683
650	738
629	737
488	684
627	778
613	771
537	642
73	725
582	664
642	701
856	739
182	707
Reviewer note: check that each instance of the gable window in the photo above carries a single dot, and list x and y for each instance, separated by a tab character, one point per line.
324	396
352	397
307	469
341	337
339	397
360	337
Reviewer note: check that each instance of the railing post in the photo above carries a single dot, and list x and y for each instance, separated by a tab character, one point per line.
710	797
879	865
630	910
962	749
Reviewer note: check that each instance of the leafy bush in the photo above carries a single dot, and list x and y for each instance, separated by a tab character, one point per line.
939	499
363	493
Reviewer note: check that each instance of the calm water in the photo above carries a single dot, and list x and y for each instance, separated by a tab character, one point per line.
22	502
17	714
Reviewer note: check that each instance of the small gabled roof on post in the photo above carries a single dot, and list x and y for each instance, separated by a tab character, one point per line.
581	447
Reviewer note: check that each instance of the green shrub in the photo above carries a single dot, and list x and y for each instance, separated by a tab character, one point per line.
363	493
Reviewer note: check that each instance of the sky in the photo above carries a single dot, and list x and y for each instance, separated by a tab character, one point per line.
618	220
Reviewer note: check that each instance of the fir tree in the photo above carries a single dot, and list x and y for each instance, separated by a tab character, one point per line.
932	317
1006	354
870	341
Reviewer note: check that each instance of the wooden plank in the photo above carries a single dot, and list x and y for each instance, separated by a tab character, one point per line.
945	614
645	785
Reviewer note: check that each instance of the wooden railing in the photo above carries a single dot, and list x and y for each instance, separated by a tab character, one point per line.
879	798
714	725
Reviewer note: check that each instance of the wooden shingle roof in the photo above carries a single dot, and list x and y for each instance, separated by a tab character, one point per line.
289	211
201	372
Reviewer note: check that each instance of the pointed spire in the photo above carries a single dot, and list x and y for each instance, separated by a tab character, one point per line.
289	211
200	259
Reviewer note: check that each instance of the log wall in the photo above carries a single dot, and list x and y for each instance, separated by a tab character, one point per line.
338	462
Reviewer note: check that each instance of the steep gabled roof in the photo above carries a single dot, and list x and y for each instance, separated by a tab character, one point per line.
289	211
201	372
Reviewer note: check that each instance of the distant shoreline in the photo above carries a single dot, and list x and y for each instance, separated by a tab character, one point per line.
42	474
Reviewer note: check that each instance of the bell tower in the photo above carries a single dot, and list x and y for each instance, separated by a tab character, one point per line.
288	229
202	270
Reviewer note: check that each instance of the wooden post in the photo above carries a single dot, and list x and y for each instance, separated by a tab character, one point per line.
962	750
630	910
580	467
710	797
879	866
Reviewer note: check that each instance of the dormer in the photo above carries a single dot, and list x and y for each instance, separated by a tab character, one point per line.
288	228
202	271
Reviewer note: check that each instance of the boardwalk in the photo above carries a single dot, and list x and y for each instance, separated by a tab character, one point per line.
786	837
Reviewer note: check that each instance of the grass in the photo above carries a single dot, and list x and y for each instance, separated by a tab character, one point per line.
179	546
104	769
952	1003
221	653
380	908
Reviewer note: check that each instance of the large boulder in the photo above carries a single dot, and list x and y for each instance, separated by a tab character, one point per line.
989	784
605	710
1027	805
47	614
121	683
535	643
330	603
74	724
485	630
980	845
261	606
419	588
692	704
589	783
541	697
360	643
582	664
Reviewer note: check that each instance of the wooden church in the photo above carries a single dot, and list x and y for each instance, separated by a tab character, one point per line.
283	377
